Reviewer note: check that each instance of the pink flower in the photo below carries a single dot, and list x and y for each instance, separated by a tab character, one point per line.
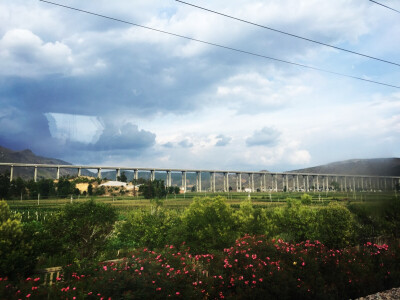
27	296
105	268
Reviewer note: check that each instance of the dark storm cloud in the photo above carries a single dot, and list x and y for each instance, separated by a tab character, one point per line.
267	136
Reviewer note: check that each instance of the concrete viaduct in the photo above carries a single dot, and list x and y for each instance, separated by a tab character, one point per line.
263	181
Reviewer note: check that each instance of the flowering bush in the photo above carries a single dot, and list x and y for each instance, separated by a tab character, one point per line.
253	268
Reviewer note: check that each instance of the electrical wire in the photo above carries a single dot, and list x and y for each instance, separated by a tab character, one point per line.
385	6
289	34
222	46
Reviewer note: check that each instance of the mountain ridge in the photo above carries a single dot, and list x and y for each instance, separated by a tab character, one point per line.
371	166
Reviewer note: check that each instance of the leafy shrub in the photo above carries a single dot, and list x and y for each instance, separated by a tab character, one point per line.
145	229
334	225
306	199
16	255
82	228
391	215
250	220
376	219
244	218
208	223
294	222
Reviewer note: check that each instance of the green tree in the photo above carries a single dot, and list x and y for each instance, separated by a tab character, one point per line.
122	178
65	187
90	189
33	188
153	189
46	187
100	190
335	185
139	181
18	187
83	228
177	190
4	185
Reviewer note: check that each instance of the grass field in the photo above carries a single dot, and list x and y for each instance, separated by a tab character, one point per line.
181	201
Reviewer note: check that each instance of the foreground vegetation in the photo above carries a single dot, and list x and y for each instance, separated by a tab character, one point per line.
216	248
252	268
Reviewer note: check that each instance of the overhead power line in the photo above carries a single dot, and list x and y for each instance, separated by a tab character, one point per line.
289	34
222	46
385	6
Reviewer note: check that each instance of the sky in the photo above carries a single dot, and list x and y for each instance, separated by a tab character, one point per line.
90	90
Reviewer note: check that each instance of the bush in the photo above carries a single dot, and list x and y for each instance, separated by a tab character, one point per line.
391	215
145	229
16	255
83	228
306	199
379	219
244	218
208	223
294	222
334	226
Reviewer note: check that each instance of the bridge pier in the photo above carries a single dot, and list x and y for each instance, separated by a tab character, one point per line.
168	179
261	183
198	181
212	182
117	174
184	181
35	174
11	173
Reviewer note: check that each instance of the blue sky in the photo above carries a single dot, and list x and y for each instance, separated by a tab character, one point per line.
93	91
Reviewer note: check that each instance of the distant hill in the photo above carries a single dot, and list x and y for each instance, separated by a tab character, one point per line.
375	166
27	156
